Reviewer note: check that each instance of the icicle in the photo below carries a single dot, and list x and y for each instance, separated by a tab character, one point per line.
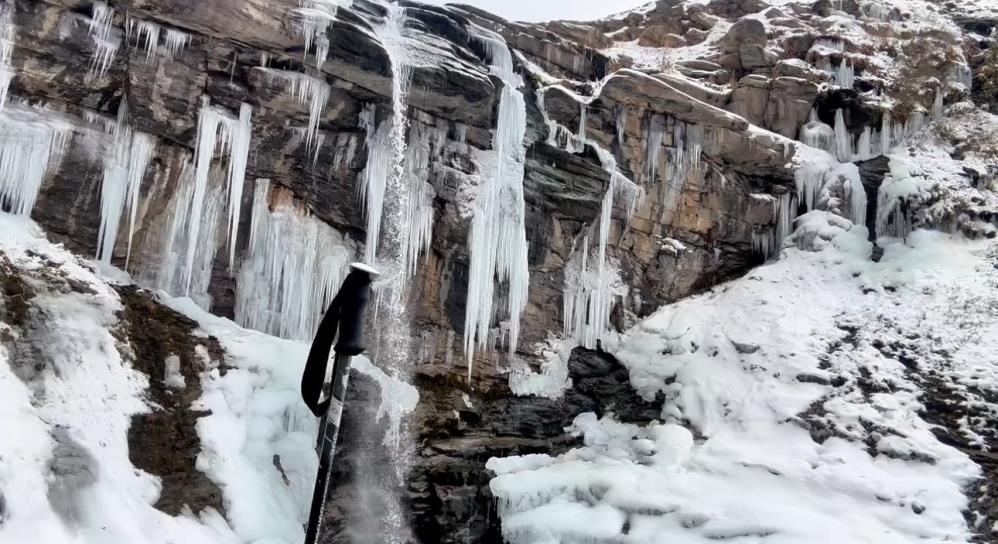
938	105
845	76
310	91
786	214
146	30
175	41
885	134
293	267
316	16
185	264
583	121
810	179
105	46
621	126
763	243
374	179
855	193
656	134
31	142
843	140
7	72
125	165
217	129
425	143
864	149
242	133
497	240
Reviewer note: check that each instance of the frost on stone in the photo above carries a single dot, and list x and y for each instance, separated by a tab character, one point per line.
294	266
32	142
497	241
104	38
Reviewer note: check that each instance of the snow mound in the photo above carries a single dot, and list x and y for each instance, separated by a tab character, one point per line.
66	408
794	410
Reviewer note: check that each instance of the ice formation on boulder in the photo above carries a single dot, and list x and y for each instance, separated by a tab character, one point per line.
294	266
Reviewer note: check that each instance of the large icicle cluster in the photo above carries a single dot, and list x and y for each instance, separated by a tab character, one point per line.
32	141
147	34
497	240
104	38
592	285
186	254
315	17
294	265
124	167
425	142
374	179
311	91
7	71
192	239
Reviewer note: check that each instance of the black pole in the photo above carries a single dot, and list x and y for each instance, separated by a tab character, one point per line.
345	316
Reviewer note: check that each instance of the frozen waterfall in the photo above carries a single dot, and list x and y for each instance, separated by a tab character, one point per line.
498	241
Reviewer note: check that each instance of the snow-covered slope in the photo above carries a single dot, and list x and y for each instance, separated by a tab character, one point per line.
70	384
807	384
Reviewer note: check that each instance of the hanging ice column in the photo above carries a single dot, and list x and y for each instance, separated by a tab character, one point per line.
124	167
310	91
315	17
147	35
31	142
198	207
498	240
294	265
6	52
104	37
218	130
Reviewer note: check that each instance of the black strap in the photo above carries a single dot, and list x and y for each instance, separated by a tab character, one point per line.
318	360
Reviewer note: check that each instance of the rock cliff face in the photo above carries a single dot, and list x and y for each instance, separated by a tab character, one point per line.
668	136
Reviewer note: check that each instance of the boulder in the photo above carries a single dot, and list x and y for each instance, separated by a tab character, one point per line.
659	36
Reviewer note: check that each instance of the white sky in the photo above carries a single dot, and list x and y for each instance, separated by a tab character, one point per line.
548	10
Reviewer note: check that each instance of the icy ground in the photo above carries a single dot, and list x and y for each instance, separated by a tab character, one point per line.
794	409
65	474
